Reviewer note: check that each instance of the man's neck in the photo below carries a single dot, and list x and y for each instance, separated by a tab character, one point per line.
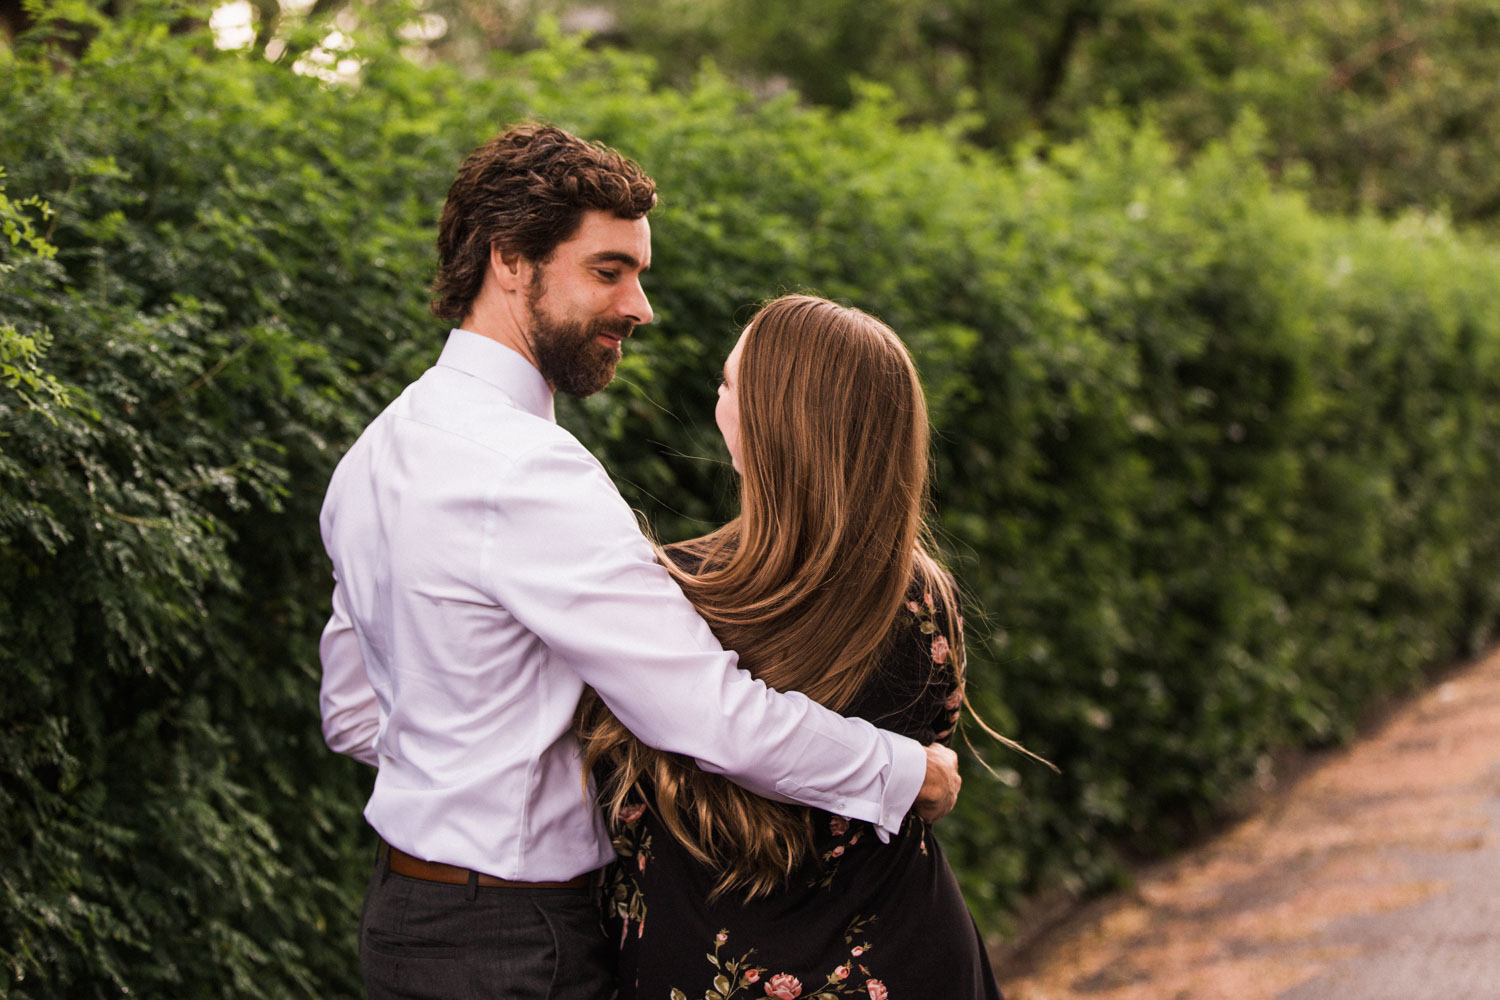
501	327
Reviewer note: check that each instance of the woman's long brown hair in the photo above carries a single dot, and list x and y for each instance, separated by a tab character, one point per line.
807	582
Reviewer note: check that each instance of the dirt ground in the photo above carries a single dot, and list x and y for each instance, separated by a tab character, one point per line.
1374	876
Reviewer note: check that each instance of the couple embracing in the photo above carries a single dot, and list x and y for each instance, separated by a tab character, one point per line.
707	769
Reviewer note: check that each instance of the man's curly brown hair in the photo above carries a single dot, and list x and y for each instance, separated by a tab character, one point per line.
525	191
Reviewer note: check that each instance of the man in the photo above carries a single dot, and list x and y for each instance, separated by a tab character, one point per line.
486	569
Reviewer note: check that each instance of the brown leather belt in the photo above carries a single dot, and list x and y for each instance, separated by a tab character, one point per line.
435	871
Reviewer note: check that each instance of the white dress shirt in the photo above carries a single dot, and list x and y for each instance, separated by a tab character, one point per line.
485	570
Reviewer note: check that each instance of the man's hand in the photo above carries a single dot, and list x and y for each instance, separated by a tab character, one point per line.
940	788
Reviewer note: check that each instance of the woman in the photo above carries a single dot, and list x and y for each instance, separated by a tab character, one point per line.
824	585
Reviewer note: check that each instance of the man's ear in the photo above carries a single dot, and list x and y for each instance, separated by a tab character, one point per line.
510	268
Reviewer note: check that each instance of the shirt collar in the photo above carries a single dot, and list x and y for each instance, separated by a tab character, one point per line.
493	362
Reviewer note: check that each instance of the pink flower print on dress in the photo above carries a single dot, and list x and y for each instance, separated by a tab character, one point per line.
876	989
783	986
857	951
752	975
838	826
927	600
838	851
721	937
914	607
940	650
632	812
955	700
842	972
640	862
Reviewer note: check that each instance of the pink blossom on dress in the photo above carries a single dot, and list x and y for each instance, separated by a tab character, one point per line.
838	851
940	649
632	812
640	862
854	840
857	951
842	972
751	975
721	937
876	989
927	598
784	986
838	826
955	700
640	931
914	607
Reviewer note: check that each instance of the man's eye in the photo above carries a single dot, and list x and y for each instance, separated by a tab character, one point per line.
607	275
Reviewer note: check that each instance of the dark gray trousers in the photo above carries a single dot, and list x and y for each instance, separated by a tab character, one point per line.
422	940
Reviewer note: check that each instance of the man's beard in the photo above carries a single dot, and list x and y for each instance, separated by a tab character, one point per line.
569	354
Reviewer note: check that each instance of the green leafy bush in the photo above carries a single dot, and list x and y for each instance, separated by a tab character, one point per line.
1215	468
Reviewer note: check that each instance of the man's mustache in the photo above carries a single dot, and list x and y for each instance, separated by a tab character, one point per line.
614	327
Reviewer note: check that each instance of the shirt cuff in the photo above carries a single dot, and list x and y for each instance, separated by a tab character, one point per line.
908	771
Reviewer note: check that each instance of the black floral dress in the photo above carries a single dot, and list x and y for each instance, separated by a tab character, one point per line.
865	919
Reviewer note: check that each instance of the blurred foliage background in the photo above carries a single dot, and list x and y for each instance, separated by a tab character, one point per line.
1386	103
1204	295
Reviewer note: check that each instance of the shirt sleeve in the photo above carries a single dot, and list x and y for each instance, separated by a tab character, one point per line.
351	714
565	555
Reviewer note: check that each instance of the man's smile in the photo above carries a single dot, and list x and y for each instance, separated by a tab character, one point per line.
613	334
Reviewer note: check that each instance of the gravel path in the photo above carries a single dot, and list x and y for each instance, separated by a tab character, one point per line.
1376	876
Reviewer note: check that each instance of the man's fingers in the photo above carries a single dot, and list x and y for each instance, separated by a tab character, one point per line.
940	788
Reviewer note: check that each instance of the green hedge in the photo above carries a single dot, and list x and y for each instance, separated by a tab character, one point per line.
1218	471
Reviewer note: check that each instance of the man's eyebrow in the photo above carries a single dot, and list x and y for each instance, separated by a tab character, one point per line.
616	257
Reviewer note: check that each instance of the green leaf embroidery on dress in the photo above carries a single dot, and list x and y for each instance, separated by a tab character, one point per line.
735	974
623	892
738	974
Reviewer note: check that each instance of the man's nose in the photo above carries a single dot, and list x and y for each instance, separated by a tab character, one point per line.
635	306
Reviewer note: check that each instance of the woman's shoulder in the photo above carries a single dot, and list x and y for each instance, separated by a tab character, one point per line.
931	606
911	689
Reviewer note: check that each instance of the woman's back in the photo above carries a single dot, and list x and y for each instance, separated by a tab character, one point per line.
722	894
859	918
